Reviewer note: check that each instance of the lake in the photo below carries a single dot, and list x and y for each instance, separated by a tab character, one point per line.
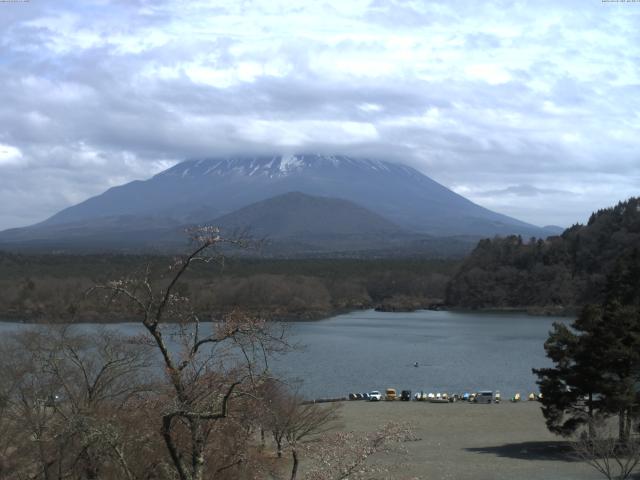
456	352
366	350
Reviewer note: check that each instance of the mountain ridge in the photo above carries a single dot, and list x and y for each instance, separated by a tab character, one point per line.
198	190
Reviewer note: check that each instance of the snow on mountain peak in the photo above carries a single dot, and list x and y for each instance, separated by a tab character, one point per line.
279	166
290	162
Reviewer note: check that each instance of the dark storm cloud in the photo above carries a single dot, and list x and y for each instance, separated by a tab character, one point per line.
498	101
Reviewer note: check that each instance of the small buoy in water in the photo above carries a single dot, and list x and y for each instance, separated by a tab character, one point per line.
415	364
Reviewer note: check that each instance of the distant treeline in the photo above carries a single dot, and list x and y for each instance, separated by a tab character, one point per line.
52	288
559	273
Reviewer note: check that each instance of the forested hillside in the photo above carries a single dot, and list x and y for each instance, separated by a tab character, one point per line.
51	288
561	272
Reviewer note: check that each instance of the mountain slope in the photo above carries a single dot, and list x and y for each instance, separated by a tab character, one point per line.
293	224
148	214
198	190
297	215
299	224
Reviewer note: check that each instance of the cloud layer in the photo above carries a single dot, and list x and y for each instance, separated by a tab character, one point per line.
531	109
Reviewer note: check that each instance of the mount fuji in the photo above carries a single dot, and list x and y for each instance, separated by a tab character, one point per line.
376	196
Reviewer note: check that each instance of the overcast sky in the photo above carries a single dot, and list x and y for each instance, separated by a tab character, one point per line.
530	108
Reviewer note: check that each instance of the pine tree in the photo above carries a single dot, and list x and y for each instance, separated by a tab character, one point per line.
572	390
597	359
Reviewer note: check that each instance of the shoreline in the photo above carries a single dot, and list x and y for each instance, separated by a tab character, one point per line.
310	316
39	319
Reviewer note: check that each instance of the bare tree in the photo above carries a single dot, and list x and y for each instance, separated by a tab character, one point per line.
293	421
13	373
211	373
65	405
606	453
306	421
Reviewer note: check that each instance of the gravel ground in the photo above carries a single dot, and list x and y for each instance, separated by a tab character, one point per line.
470	441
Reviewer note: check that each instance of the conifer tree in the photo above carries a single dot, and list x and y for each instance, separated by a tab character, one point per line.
597	360
572	390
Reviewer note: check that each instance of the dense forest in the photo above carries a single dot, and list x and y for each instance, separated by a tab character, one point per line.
555	275
51	288
561	273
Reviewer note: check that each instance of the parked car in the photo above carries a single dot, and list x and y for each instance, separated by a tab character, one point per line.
391	394
375	396
485	396
358	396
365	396
405	395
352	396
438	398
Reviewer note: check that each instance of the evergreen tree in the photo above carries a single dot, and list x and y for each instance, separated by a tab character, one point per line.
572	390
618	336
597	359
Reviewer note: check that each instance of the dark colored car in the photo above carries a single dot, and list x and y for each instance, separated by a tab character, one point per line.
405	396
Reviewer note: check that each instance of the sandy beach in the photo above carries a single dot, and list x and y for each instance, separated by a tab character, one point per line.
471	441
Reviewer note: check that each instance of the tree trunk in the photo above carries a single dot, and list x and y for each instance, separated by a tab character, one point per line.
43	461
627	426
90	466
173	449
294	469
621	426
591	426
197	449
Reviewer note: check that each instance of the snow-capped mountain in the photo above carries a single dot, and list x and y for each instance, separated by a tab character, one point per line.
199	191
281	166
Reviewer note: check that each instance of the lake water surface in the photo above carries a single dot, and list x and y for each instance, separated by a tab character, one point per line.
456	352
367	350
